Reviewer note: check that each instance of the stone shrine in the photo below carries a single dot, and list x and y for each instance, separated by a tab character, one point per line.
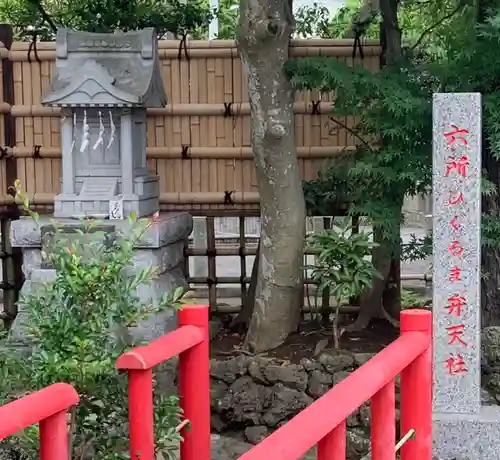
104	83
463	428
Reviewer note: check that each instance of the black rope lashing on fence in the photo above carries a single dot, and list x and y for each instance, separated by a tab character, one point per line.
241	251
228	197
227	109
11	211
33	48
36	152
4	151
316	108
185	152
7	315
357	46
183	46
6	286
211	281
211	252
11	190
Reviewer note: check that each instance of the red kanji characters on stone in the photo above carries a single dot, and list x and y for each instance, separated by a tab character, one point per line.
455	274
457	134
454	224
455	249
460	166
456	365
455	199
455	304
455	334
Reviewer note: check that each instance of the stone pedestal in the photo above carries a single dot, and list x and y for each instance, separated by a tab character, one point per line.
161	246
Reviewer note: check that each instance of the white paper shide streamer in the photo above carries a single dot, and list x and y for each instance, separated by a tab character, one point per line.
85	133
113	131
74	132
100	138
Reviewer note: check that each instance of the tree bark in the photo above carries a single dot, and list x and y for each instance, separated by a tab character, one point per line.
371	301
263	38
384	298
242	321
490	257
490	266
391	35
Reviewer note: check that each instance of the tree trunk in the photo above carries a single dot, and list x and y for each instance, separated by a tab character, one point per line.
242	321
490	267
371	301
390	31
490	256
263	38
391	299
385	292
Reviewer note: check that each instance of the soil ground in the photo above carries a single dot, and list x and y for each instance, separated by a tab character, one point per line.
310	340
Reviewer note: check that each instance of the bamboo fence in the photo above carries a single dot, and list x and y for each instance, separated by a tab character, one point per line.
199	144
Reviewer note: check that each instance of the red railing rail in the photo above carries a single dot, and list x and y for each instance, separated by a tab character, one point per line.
324	422
191	342
48	407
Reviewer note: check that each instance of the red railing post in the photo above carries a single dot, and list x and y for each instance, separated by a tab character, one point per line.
416	390
383	423
194	384
141	414
54	441
333	445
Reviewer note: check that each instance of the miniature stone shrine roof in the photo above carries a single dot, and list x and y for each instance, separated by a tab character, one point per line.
106	70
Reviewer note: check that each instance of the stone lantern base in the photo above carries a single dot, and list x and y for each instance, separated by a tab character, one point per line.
161	246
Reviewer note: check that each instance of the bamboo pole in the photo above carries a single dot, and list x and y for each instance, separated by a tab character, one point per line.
214	49
216	44
218	153
234	309
179	109
195	198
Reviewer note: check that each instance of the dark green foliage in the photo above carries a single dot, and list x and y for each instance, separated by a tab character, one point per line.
105	16
394	135
393	108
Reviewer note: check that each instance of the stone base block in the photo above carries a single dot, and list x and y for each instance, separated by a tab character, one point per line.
75	206
167	229
161	247
467	436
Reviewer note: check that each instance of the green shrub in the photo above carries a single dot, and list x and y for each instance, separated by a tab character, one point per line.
412	299
77	328
341	265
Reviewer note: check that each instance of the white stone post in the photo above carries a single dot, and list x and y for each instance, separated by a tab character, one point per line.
126	153
68	166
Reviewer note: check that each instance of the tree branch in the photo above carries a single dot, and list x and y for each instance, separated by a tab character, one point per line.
437	24
43	13
354	133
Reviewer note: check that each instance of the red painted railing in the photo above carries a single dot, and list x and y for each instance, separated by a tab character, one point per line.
191	342
49	407
324	422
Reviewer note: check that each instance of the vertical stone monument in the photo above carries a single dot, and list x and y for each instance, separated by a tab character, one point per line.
463	428
104	83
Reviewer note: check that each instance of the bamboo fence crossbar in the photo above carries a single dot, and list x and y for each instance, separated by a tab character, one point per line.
169	49
233	109
208	153
165	198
